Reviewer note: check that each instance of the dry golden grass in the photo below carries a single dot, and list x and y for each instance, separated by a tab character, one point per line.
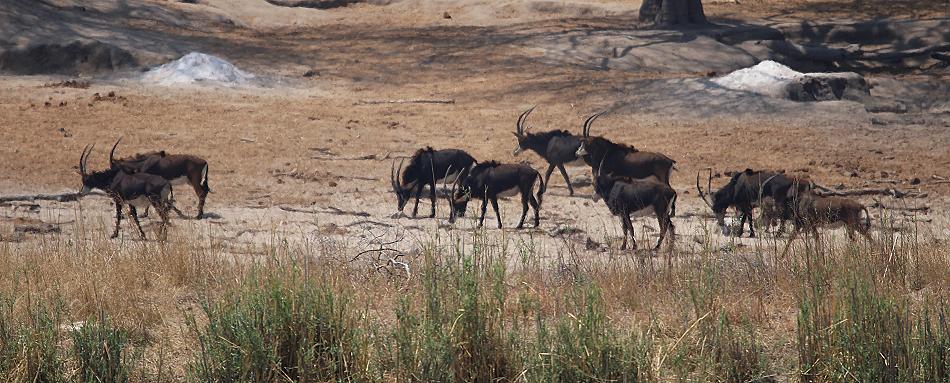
154	289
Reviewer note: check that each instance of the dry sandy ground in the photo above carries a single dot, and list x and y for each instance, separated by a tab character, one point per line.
294	145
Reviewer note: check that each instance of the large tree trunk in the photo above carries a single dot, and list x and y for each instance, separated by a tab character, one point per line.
673	12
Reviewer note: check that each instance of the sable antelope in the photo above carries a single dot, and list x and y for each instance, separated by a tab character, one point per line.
426	167
812	211
489	180
557	147
622	160
178	169
625	196
745	191
138	189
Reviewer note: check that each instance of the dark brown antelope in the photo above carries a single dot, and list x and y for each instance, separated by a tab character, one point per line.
640	196
138	189
745	191
812	211
427	167
178	169
489	180
557	147
622	160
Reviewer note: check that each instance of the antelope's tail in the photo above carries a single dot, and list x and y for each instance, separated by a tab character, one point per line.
673	205
204	178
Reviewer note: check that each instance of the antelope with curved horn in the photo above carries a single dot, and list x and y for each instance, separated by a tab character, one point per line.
557	147
178	169
427	167
622	160
745	191
625	196
138	189
489	180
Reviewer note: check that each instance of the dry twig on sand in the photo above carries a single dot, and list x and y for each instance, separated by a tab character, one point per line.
896	193
409	101
61	197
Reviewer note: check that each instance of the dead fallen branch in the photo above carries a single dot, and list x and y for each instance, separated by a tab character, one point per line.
896	193
61	197
367	221
923	209
351	158
329	210
850	53
410	101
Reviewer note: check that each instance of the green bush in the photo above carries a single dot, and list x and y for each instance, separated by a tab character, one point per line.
279	330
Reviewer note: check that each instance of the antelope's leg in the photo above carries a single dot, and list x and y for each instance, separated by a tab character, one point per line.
481	220
623	225
791	238
162	209
171	201
537	207
524	208
415	208
547	174
118	218
135	218
662	220
494	205
202	194
633	239
751	224
570	188
432	198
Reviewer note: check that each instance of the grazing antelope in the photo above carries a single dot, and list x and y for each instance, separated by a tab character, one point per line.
557	147
745	191
178	169
489	180
138	189
812	211
623	160
426	167
625	196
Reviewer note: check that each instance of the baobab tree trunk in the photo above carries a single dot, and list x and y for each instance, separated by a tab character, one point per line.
673	12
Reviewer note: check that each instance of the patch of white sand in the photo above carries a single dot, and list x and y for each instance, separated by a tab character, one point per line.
198	68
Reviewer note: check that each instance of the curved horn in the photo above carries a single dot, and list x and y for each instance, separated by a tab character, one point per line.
82	160
86	160
589	121
700	189
521	120
112	153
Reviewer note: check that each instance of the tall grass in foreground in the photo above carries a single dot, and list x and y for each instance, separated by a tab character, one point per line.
477	308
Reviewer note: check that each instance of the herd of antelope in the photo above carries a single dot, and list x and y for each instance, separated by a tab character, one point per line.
629	180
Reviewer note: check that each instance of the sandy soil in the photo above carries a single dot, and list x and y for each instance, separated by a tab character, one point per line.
283	157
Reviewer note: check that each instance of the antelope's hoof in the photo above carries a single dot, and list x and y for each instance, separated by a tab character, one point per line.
520	227
114	236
